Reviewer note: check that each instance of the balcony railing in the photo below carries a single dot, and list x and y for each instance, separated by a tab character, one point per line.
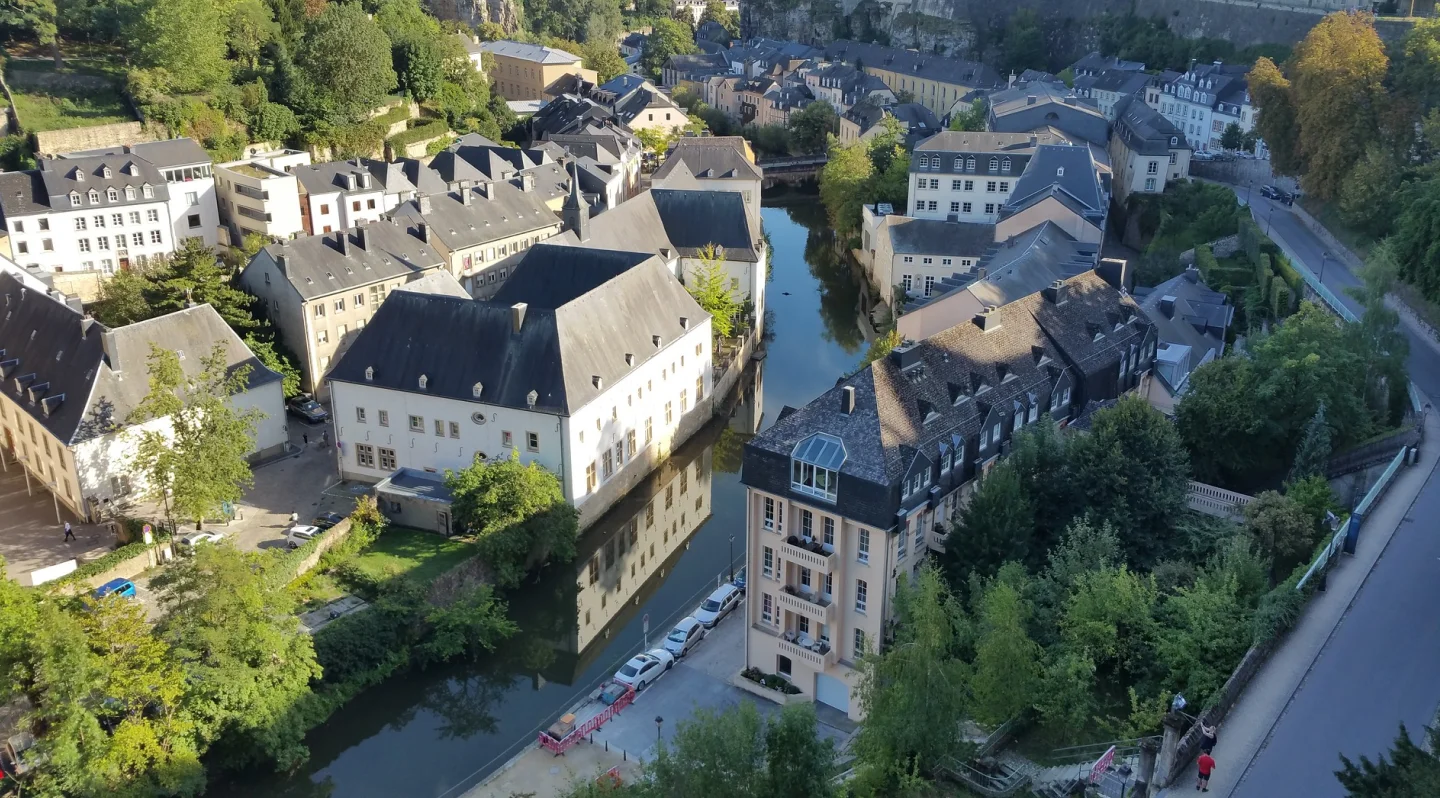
819	660
251	213
811	555
811	605
252	193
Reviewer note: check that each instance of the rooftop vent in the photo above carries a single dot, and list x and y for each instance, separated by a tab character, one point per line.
847	399
517	316
597	382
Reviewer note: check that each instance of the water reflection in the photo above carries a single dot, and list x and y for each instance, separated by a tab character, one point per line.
839	288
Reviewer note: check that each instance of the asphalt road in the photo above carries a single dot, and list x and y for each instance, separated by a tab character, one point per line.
1381	665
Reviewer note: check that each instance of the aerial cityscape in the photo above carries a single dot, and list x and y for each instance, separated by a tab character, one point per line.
702	398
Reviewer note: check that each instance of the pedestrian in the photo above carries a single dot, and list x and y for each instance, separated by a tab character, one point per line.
324	437
1207	764
294	518
69	533
305	436
1208	737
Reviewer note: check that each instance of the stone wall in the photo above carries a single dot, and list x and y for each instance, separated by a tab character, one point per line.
57	142
1220	247
1189	746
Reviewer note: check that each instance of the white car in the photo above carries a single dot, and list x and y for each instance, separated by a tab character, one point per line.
721	602
643	669
686	635
190	541
300	535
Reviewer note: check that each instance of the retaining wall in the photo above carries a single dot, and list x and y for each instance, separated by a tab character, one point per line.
327	541
57	142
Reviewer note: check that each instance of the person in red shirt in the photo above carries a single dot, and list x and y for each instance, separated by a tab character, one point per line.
1207	764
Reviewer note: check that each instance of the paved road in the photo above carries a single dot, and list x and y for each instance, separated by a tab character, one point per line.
1381	665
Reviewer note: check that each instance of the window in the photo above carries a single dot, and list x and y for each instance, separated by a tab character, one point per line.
590	478
1005	165
84	244
1149	184
969	185
669	415
607	465
767	609
192	198
955	184
807	524
630	441
699	388
684	400
454	429
417	424
934	205
150	215
990	186
919	536
862	596
1004	186
355	206
322	336
384	418
966	207
1152	168
989	207
360	414
954	207
984	438
112	195
506	439
769	513
319	310
340	305
859	642
138	239
906	281
620	458
828	525
909	259
532	441
79	224
101	242
768	561
815	466
370	204
193	220
929	283
387	459
364	455
970	164
935	184
994	163
901	541
648	436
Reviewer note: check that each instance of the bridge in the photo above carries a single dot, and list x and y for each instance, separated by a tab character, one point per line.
791	169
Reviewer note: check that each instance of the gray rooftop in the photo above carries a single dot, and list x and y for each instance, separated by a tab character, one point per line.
414	484
530	52
50	187
1036	105
1067	168
708	158
166	154
1191	319
909	236
955	71
497	211
683	222
1145	130
316	265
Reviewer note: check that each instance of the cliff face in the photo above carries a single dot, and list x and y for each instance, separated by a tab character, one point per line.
473	12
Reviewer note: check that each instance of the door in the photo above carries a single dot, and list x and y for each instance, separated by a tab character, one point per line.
442	520
832	692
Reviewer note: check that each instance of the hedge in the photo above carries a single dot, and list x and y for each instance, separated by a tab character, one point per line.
1205	261
1234	276
1262	271
1287	271
1250	238
420	133
100	566
399	113
1279	297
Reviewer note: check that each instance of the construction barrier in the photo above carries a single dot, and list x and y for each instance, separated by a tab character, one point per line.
559	747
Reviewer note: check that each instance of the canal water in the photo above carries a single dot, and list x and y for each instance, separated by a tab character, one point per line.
436	733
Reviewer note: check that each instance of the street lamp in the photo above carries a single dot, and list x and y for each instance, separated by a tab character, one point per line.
1268	214
732	558
1324	256
658	721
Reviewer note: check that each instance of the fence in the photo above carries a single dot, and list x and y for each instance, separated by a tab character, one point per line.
1376	452
560	746
1218	502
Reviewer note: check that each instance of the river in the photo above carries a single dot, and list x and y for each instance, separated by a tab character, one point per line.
438	732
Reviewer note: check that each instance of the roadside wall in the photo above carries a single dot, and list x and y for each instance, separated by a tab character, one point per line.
326	542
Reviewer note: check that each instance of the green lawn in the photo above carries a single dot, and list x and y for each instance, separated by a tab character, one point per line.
412	554
44	101
315	590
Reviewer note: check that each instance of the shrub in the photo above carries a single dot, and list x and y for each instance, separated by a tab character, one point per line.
1287	271
376	638
1205	261
418	133
1279	609
101	565
1279	297
1262	271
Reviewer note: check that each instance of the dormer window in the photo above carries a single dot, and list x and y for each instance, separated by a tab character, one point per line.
994	164
1005	165
424	380
74	199
112	195
815	466
959	163
105	170
147	191
1174	140
369	373
129	192
969	164
94	197
477	389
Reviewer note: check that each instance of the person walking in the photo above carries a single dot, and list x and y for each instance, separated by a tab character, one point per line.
69	533
305	436
1207	766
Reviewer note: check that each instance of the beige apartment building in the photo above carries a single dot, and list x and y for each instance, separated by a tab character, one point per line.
522	71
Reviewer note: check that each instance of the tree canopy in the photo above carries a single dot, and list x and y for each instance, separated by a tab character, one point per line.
518	513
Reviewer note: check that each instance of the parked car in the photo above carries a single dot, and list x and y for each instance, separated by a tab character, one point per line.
1269	192
116	587
739	580
300	535
643	669
327	520
1284	196
1201	156
686	635
307	409
190	541
721	602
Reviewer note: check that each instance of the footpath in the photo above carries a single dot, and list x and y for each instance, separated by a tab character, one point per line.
1245	730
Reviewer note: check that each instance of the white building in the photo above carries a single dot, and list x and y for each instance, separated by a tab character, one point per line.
593	364
1205	99
261	194
71	385
968	177
341	194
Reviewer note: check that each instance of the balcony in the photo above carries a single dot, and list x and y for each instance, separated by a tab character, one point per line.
810	605
819	656
810	555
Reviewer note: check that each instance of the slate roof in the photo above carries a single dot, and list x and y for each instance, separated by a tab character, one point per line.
1120	81
496	212
681	221
698	65
164	154
439	281
558	352
1030	261
947	145
530	52
707	158
50	347
316	267
940	68
47	188
566	114
1064	168
935	236
1226	83
1095	326
1093	63
1190	319
1012	110
325	178
1145	130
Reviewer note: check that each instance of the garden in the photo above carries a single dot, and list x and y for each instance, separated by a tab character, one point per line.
50	98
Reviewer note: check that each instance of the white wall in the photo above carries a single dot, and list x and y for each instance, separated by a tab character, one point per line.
973	190
341	208
66	239
205	206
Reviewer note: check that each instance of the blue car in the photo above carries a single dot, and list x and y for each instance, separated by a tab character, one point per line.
118	587
739	580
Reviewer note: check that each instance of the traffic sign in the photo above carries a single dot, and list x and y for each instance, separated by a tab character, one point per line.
1101	765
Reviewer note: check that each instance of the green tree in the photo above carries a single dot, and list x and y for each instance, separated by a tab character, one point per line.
265	352
710	286
1023	46
1007	663
715	11
1233	138
193	275
666	39
842	183
603	28
419	70
713	753
972	120
882	345
1110	617
37	17
1417	69
1314	452
1231	441
654	140
811	125
474	623
250	26
273	122
1204	630
1337	71
915	692
995	526
1039	454
518	512
346	64
1065	697
1368	193
186	38
123	300
798	760
1282	529
601	55
1277	121
201	462
1409	771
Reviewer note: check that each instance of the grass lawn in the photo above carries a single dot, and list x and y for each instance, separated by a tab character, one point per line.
412	554
315	590
45	100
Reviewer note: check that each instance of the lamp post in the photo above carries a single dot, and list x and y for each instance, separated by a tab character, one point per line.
659	721
732	558
1324	256
1268	214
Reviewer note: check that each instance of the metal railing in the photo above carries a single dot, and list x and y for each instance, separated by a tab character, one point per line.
1081	754
1005	782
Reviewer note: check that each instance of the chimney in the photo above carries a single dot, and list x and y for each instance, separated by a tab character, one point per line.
86	322
905	355
1055	292
517	316
1034	141
527	182
485	189
847	399
1167	306
465	194
282	262
1116	272
344	241
1030	99
112	349
363	234
987	319
1070	100
1192	274
981	271
424	204
424	229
